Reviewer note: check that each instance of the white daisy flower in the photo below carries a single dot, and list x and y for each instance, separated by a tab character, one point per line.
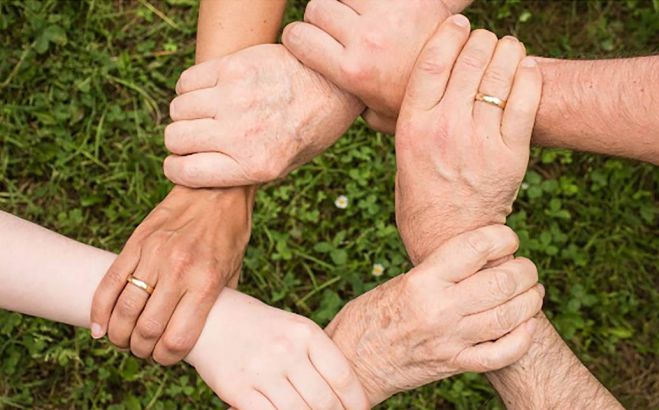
341	202
378	269
525	185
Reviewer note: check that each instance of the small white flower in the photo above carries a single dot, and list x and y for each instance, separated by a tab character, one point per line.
341	202
378	269
525	185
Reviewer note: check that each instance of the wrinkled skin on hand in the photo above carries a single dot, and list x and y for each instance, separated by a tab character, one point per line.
446	316
460	162
367	48
252	117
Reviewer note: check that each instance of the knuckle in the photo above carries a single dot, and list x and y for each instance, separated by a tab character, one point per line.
496	79
116	276
343	378
374	40
484	363
150	328
474	59
354	70
129	306
478	243
116	340
177	343
303	329
211	283
267	171
504	317
432	62
283	345
505	283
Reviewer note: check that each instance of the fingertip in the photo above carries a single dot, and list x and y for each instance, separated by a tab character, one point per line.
460	20
97	330
291	34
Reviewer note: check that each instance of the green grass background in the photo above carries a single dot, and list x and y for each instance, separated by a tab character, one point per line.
84	90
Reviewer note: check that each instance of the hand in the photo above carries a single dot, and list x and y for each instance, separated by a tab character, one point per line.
366	47
258	357
446	316
250	118
188	248
460	162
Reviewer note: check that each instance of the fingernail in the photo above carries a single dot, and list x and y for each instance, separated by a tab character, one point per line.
460	20
529	62
531	325
97	331
291	33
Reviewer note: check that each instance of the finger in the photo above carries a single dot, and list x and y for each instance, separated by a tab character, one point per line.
253	400
184	328
433	66
494	323
313	388
335	369
378	122
153	321
465	254
497	82
333	17
195	105
130	304
111	286
203	75
192	136
283	395
507	350
206	170
469	69
522	107
490	288
315	49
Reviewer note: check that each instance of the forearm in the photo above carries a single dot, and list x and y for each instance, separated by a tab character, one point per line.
550	376
226	26
47	275
604	106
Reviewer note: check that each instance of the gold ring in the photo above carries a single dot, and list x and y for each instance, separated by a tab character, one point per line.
492	100
140	284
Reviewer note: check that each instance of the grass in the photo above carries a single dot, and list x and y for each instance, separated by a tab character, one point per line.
84	90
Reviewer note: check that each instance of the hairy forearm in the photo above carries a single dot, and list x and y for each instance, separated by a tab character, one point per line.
550	376
603	106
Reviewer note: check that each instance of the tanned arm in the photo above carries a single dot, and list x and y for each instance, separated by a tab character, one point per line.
550	376
603	106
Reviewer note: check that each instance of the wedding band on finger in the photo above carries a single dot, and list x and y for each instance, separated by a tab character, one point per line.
492	100
140	284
